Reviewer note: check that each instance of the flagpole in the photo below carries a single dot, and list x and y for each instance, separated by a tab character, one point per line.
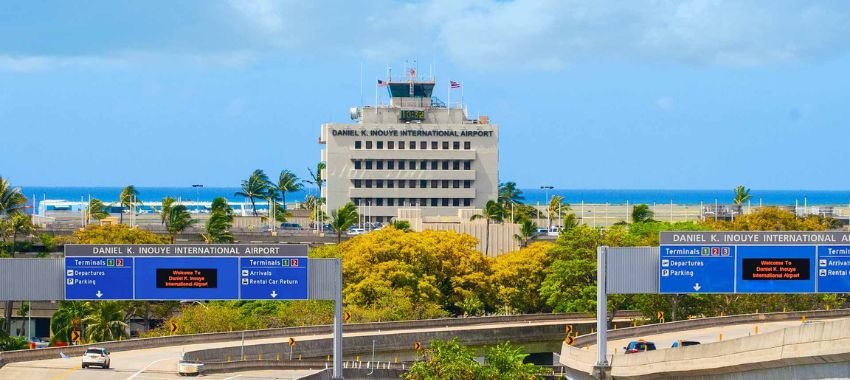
449	104
376	99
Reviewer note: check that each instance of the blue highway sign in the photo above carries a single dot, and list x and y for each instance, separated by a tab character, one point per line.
833	269
697	269
99	278
278	278
775	269
187	278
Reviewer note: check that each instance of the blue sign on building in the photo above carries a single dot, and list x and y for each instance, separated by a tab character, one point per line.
269	278
99	278
697	269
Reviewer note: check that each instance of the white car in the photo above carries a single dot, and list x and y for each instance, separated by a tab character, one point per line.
96	356
356	231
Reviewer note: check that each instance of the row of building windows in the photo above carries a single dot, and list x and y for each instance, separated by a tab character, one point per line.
446	145
412	164
412	184
413	202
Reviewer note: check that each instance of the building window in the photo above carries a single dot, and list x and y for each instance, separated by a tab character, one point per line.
356	201
467	145
466	202
467	165
368	164
400	165
445	165
455	165
423	183
380	165
423	164
455	145
434	165
390	144
380	183
434	147
358	144
368	144
445	145
412	145
434	202
423	145
379	202
357	183
358	164
445	202
423	201
455	202
390	165
467	184
390	201
412	165
434	183
401	144
445	184
411	184
380	144
401	184
390	184
456	184
368	183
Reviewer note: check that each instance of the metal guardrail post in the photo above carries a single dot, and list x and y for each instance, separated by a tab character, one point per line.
602	367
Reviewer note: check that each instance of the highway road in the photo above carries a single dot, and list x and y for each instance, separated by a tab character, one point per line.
161	362
703	335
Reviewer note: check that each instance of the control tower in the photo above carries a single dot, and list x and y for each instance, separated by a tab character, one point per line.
415	152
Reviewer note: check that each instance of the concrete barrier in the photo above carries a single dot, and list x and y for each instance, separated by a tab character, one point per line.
807	344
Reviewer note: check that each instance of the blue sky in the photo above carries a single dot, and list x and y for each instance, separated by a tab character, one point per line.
655	94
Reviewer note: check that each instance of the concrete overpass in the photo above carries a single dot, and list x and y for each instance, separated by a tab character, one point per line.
757	346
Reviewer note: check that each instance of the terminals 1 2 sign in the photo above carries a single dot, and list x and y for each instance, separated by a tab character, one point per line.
186	272
754	262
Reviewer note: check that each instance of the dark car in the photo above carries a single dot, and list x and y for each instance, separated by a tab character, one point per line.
684	343
639	346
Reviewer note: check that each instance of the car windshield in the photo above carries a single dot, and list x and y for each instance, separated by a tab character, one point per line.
96	351
642	346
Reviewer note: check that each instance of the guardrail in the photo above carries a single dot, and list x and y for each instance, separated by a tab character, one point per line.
132	344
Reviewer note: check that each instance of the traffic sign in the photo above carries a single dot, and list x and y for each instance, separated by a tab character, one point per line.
697	269
417	346
775	269
569	340
187	278
75	336
99	278
291	342
569	329
833	269
346	316
173	327
659	315
265	278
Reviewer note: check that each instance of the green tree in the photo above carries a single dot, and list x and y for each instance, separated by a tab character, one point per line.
105	322
217	227
118	234
95	210
23	311
221	205
179	219
11	199
642	214
256	186
314	205
505	362
316	177
343	219
517	276
446	360
742	195
557	208
287	182
401	225
167	204
493	212
527	231
509	195
21	225
68	316
129	197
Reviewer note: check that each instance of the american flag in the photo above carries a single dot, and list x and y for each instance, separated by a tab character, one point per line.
454	84
382	83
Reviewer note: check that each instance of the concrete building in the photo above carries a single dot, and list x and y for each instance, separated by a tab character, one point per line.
415	152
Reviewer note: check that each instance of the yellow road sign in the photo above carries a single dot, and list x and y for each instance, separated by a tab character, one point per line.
75	336
417	346
173	327
659	315
569	329
346	316
291	342
570	340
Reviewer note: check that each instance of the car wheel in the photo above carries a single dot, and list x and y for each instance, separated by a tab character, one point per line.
84	366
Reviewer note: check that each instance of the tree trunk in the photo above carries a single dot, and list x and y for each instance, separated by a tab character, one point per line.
14	240
253	206
7	315
121	215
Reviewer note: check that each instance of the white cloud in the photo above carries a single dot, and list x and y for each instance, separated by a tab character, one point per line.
665	103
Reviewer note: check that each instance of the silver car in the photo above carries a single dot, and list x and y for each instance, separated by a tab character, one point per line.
96	356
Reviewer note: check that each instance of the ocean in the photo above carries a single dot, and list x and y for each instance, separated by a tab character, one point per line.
532	196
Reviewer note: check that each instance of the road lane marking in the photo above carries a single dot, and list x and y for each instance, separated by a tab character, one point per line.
139	372
233	377
64	374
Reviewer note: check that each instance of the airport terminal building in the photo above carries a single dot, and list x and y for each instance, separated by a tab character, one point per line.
414	153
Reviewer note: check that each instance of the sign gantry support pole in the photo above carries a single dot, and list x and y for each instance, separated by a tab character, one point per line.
602	367
337	370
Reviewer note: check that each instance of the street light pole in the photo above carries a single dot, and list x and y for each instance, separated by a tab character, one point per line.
198	193
548	211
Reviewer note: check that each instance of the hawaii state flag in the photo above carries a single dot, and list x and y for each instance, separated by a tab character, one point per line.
454	84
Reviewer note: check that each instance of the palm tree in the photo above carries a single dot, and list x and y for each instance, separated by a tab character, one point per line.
217	227
287	181
221	205
96	210
21	224
493	211
256	186
105	322
11	199
557	208
526	232
401	225
167	204
742	194
641	213
129	196
69	316
316	177
510	195
179	219
343	219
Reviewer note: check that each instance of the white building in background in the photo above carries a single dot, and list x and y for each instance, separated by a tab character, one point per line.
416	152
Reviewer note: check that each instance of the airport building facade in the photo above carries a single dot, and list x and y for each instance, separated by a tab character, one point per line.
414	153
